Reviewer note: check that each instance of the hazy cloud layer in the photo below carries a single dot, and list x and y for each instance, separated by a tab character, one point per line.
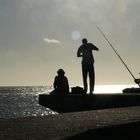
24	23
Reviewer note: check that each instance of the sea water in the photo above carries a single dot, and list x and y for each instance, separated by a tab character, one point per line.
18	102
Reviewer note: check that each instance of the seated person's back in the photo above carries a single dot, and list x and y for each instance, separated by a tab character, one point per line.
61	84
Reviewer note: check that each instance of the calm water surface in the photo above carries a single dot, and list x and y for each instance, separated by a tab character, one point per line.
22	102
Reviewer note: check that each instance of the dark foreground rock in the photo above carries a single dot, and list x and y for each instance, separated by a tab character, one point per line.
97	124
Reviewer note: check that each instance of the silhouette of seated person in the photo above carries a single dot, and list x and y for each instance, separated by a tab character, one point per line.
61	85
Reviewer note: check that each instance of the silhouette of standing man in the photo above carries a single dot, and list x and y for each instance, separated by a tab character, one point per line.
85	51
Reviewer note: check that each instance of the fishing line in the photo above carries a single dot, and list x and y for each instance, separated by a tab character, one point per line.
136	80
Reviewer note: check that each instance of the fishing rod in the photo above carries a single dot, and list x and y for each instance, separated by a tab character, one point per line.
137	81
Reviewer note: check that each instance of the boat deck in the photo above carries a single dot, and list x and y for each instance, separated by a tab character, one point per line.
74	103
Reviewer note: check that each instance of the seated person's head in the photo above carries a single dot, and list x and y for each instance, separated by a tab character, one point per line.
61	72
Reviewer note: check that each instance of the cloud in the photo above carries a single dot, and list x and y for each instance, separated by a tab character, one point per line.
52	41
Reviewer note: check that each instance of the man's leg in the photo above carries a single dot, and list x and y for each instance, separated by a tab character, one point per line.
91	78
84	73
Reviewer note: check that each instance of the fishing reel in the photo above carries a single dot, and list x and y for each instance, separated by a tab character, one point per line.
137	81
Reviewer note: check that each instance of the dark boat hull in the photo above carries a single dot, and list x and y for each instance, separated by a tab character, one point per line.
74	103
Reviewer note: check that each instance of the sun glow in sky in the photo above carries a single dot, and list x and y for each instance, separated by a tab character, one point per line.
37	37
75	35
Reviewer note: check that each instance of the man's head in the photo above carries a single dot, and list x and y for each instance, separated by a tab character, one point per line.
61	72
84	41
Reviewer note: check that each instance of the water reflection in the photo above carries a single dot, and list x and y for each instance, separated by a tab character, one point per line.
22	102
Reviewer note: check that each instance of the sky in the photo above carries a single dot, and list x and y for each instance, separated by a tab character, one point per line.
37	37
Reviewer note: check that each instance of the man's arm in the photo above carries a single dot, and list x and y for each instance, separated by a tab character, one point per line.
94	47
54	84
79	53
